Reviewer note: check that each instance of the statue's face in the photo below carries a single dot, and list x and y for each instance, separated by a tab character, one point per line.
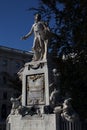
37	18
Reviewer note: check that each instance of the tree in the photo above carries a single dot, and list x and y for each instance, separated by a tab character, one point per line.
68	20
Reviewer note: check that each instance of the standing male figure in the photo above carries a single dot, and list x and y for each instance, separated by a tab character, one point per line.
40	30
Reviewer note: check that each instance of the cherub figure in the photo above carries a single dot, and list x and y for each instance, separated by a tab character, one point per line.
67	111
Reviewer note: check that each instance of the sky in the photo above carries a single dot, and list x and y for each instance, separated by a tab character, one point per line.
15	22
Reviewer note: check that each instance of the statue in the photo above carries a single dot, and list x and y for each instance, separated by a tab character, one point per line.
41	36
67	111
16	105
55	97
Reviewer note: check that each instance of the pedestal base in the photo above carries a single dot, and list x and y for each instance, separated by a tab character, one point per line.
45	122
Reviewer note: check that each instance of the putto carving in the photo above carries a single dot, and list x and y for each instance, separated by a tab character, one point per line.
16	105
68	112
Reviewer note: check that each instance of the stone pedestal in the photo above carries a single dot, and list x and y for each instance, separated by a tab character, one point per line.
34	112
46	122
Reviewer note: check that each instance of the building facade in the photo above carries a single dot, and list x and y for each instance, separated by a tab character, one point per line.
11	61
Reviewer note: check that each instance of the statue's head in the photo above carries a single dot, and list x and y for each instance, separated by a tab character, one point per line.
37	17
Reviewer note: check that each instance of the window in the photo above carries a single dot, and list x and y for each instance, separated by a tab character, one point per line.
5	62
5	95
4	80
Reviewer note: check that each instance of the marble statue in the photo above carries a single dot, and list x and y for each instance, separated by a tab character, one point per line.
41	36
67	111
55	93
54	97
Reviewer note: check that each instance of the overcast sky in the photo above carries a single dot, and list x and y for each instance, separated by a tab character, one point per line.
15	22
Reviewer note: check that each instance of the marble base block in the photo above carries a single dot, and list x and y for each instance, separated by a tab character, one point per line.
45	122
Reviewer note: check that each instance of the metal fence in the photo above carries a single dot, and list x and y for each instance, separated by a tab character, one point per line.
75	125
